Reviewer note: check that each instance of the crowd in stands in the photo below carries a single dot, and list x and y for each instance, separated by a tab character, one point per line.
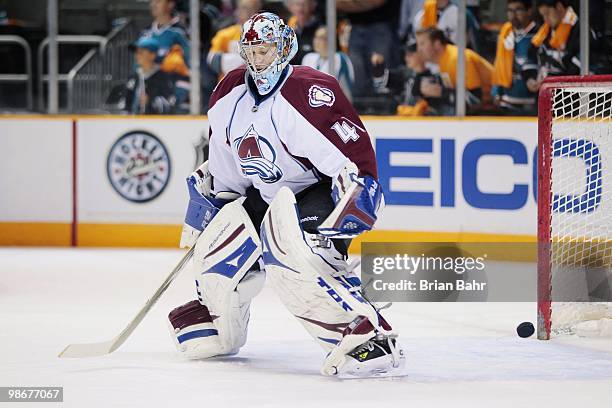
160	82
400	54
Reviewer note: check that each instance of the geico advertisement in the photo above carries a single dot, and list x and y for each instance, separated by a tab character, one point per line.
134	170
459	176
479	173
481	177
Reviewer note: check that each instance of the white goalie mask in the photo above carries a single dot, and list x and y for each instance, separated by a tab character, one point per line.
267	45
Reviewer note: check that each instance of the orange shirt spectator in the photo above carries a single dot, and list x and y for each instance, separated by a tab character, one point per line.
440	54
224	54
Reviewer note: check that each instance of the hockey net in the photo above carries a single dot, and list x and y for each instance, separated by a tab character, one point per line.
575	206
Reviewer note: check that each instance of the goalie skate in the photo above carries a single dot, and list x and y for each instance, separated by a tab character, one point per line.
378	356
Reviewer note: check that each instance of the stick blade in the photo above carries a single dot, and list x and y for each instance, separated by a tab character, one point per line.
88	349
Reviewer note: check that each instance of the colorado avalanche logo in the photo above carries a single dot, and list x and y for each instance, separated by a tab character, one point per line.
257	157
319	96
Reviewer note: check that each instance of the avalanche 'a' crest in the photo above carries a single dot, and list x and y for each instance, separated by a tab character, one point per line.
257	156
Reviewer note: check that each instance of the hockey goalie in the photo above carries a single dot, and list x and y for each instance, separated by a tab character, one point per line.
290	180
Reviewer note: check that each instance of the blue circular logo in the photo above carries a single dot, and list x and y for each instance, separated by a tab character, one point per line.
138	166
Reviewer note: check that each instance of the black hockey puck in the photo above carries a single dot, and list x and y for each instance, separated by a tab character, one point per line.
525	329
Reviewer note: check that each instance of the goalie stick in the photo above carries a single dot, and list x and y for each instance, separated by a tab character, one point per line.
107	347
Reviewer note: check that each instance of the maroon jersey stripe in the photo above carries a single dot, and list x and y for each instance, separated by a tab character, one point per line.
298	92
229	82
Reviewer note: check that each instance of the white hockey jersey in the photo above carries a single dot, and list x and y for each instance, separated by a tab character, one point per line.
303	129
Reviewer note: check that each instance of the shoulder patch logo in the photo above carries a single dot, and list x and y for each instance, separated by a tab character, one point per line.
319	96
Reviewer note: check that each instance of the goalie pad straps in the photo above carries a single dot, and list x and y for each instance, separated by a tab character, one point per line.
225	252
312	286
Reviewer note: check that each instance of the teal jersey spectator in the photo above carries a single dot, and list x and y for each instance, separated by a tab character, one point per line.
167	36
517	98
150	93
150	90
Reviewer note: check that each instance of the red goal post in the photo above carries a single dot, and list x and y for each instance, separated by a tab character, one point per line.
549	111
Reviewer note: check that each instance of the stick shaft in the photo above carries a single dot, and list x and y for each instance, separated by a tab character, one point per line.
96	349
152	301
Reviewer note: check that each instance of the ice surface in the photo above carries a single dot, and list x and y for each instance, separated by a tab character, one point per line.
459	355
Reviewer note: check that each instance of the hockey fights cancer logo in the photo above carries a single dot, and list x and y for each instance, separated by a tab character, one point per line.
257	157
138	166
319	96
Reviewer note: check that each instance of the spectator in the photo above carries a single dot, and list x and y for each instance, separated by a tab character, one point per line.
304	22
181	10
435	48
516	66
150	90
473	7
597	50
175	62
224	54
414	103
408	11
558	40
319	59
210	14
171	36
444	15
372	40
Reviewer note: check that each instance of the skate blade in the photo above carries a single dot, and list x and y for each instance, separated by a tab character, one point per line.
399	371
394	373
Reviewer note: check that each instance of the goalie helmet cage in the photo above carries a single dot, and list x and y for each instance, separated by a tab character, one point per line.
573	118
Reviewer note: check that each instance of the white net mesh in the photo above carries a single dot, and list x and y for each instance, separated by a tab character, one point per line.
581	213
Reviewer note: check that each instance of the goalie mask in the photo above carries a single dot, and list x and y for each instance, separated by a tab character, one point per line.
267	45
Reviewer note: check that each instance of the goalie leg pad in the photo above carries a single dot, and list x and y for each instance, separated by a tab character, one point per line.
227	273
309	280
